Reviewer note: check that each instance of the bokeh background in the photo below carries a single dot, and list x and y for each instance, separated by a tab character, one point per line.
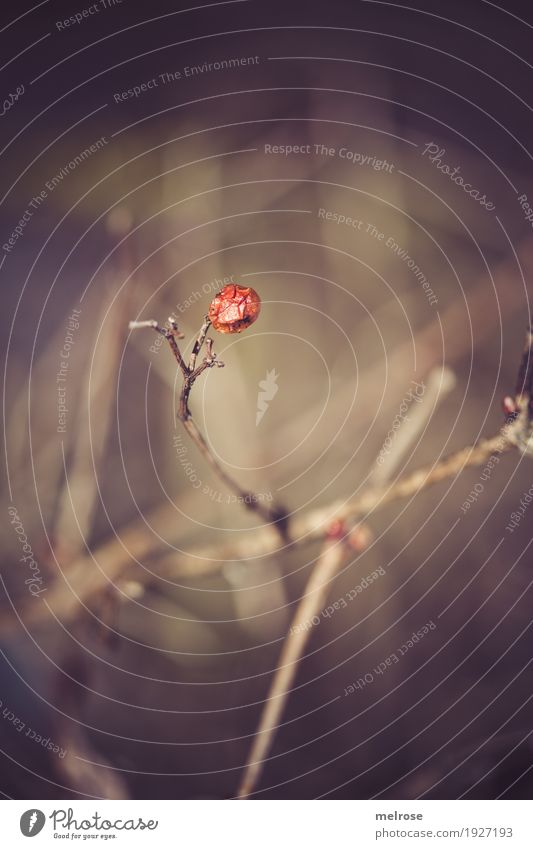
148	654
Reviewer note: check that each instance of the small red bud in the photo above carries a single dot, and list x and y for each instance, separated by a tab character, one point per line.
336	530
234	308
509	407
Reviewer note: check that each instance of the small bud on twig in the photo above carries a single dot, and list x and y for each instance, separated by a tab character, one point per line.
232	310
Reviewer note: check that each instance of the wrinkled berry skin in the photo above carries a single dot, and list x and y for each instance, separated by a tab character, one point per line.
234	308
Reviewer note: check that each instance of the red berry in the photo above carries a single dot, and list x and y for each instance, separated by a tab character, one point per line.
234	308
509	407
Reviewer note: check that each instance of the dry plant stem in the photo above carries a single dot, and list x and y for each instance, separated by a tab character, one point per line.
524	382
115	556
197	347
85	445
190	373
439	383
523	418
197	438
327	566
312	525
448	467
331	558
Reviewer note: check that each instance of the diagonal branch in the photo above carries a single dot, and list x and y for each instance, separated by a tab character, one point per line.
520	408
115	557
517	430
335	547
335	550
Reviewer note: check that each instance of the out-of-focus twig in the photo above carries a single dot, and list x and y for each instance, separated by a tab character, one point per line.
517	430
86	446
87	441
313	524
337	546
115	557
77	766
333	555
520	408
438	384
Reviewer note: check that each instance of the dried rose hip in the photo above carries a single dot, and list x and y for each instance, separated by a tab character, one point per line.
234	308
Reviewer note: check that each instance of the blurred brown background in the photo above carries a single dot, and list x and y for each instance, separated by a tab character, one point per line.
146	661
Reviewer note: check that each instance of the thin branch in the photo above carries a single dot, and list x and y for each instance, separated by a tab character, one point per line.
335	550
522	404
524	380
271	515
115	557
412	484
332	557
170	333
210	360
197	347
437	386
84	449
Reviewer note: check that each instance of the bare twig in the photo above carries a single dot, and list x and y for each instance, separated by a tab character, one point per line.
524	380
312	525
438	384
517	428
521	407
170	333
81	768
118	555
191	372
115	557
333	555
85	447
197	347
